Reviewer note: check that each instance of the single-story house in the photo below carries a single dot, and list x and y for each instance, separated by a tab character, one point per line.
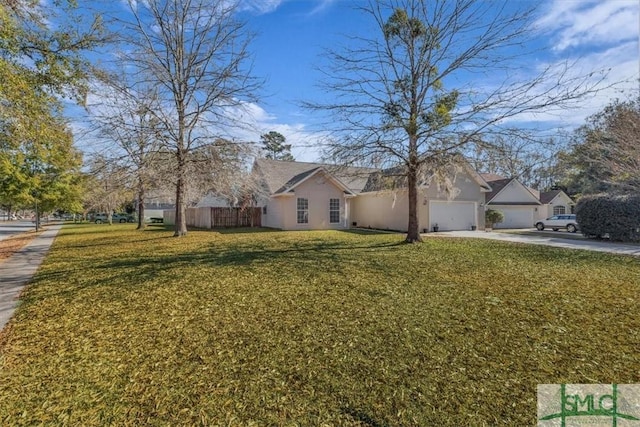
522	206
299	196
518	205
157	209
213	200
555	202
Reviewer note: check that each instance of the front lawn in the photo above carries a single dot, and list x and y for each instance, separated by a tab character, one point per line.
310	328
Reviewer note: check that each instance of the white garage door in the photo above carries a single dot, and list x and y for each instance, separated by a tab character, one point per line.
452	215
515	217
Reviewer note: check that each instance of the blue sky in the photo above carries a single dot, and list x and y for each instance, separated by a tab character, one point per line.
291	34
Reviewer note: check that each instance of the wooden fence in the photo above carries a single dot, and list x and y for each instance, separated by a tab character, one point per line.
236	217
219	217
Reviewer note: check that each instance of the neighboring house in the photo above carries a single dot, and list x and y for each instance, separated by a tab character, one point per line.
302	196
214	201
555	202
518	204
156	209
523	206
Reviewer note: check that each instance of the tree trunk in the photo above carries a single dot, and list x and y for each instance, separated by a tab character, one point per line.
181	220
413	230
141	195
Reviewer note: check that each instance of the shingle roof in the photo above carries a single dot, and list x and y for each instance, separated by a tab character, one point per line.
496	186
535	192
548	196
492	177
279	175
386	179
395	178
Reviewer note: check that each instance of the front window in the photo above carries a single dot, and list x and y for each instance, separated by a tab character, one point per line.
334	211
303	211
559	210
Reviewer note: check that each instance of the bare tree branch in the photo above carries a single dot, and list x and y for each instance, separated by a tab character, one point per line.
195	54
390	101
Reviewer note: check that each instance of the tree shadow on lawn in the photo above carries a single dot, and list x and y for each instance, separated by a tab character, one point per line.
326	255
244	230
370	231
248	253
230	230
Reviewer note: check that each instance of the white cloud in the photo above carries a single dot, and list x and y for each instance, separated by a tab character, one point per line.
321	6
260	7
590	23
306	144
620	80
596	36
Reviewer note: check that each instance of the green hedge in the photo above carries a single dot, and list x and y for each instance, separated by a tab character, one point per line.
615	216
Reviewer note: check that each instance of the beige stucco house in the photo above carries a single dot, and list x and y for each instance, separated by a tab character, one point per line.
308	196
389	209
555	202
522	206
300	196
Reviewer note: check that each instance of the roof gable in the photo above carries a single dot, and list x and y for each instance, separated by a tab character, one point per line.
303	177
395	178
548	196
510	191
281	176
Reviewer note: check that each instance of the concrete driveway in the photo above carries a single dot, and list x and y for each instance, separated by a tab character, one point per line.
10	228
544	239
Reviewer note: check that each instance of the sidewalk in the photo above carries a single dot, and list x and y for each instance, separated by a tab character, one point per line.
18	270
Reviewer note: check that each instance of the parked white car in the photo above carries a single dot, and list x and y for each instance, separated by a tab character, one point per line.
557	222
101	218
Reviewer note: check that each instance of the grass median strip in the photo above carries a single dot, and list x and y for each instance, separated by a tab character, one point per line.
310	328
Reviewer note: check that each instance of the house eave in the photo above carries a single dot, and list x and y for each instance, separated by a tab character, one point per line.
513	203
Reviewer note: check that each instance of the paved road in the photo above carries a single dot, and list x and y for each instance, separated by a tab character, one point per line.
10	228
586	244
18	270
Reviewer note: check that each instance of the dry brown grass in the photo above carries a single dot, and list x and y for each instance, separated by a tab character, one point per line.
315	328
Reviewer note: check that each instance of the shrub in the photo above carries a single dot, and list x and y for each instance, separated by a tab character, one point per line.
617	216
492	216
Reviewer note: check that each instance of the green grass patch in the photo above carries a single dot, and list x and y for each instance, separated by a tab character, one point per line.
121	327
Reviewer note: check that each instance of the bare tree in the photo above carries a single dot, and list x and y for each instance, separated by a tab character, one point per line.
129	130
220	169
195	53
390	99
534	162
108	186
